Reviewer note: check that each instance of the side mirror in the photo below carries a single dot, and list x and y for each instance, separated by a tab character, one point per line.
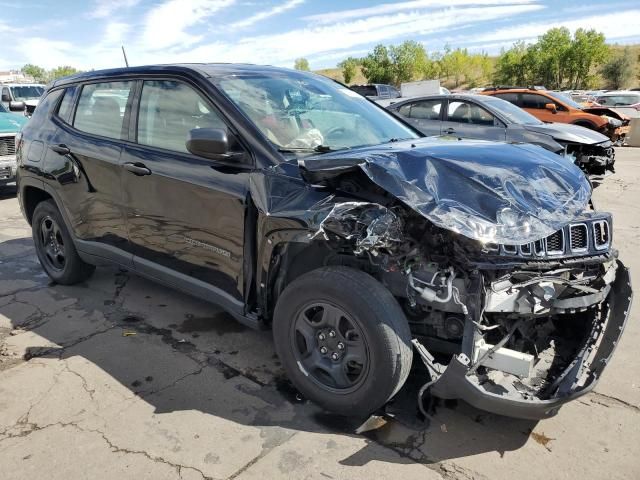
551	107
6	97
212	143
17	106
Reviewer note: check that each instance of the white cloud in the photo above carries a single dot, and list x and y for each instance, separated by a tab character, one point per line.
247	22
612	25
106	8
387	8
166	25
282	48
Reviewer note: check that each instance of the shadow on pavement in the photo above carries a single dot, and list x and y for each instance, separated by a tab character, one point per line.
188	364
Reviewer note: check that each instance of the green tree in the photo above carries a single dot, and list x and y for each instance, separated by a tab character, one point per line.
409	61
511	67
301	64
588	49
552	62
618	72
62	71
39	74
377	66
349	68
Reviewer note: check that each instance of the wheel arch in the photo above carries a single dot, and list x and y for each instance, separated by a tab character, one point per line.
31	197
294	254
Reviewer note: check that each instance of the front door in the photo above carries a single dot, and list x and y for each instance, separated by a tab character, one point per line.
186	213
469	120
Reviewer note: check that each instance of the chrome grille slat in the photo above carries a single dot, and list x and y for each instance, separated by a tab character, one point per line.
601	234
589	236
7	146
555	243
578	237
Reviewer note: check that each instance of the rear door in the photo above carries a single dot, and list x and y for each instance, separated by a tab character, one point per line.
84	161
425	115
467	119
186	213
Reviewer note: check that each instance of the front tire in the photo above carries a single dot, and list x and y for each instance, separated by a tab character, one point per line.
54	246
343	340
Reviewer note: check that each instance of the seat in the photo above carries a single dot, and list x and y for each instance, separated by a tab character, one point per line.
105	117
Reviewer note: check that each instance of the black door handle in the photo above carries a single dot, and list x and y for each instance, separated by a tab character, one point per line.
450	130
137	168
60	149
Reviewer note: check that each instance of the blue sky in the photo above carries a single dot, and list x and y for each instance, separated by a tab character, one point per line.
88	34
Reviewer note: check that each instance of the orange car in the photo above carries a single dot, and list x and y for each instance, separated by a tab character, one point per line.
551	106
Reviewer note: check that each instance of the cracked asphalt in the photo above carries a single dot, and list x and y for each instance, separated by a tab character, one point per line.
122	378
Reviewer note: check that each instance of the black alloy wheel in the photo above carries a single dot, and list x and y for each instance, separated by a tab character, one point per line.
52	243
330	346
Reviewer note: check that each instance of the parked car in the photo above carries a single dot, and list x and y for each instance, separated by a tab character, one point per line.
21	97
551	106
10	125
376	91
295	203
620	99
491	118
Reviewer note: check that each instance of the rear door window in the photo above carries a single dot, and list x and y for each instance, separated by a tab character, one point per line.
426	110
531	100
168	111
509	97
468	112
101	108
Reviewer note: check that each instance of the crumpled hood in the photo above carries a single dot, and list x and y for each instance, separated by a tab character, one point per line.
487	191
11	123
565	132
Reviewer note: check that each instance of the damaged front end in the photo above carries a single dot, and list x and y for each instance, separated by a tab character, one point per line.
592	159
514	296
617	127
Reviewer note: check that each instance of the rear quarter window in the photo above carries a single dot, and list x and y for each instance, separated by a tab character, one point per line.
65	109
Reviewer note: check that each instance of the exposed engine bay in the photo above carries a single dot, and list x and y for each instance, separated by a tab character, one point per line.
514	295
517	317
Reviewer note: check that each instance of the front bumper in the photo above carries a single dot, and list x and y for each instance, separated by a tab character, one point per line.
579	378
8	167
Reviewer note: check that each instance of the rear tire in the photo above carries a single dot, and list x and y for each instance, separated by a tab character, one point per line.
54	246
343	340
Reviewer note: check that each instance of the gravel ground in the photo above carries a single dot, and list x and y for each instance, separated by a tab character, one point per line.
122	378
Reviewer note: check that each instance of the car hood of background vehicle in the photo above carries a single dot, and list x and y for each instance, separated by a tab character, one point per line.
565	132
487	191
11	123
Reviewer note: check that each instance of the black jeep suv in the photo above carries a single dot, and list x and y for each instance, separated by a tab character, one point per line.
295	203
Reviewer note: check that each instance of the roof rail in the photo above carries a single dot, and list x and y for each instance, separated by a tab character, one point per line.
513	87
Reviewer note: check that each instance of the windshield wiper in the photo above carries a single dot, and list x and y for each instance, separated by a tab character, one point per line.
316	149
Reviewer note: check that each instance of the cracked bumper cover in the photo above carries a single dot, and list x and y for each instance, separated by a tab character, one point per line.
454	383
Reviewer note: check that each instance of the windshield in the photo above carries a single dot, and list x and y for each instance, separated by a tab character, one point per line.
514	113
28	92
304	113
566	99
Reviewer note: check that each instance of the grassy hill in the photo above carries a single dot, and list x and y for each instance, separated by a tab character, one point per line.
359	79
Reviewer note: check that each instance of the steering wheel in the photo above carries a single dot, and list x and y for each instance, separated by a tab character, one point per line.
339	131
